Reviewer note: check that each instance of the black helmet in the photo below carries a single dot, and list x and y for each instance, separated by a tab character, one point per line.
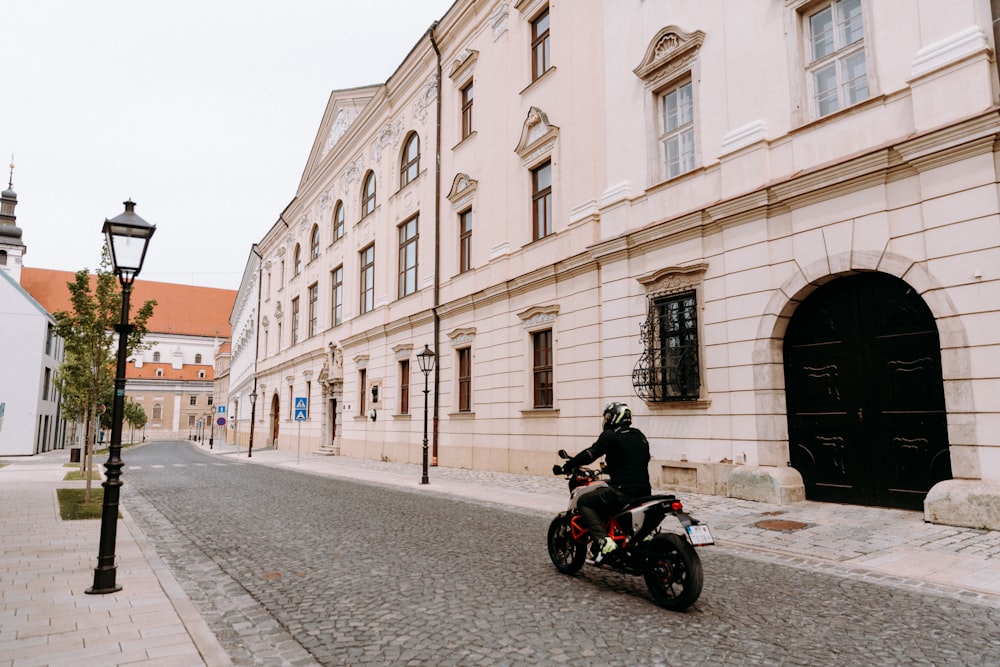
617	414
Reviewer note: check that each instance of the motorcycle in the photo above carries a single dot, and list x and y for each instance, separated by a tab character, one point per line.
666	560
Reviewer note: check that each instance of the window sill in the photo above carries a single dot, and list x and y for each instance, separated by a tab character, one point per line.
700	404
462	415
403	415
545	75
540	412
465	139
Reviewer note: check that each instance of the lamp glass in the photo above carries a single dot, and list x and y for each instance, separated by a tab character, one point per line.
426	360
253	397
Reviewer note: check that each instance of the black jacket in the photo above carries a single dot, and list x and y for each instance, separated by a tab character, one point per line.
626	451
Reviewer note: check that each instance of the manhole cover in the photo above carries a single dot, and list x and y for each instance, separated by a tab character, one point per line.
783	525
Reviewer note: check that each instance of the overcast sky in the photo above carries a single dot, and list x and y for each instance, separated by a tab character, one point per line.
201	111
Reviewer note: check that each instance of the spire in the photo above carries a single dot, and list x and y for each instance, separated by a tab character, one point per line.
12	249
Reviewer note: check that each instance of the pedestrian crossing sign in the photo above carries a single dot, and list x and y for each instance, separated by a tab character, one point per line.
301	408
300	415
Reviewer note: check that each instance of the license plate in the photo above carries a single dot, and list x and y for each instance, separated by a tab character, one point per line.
700	535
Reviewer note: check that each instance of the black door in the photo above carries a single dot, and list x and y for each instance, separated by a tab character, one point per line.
866	417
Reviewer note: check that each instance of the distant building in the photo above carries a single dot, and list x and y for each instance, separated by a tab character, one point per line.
173	380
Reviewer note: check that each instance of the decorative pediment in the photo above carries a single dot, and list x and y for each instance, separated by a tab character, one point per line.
463	64
673	279
402	351
462	336
538	316
538	136
498	21
462	190
361	361
277	312
671	51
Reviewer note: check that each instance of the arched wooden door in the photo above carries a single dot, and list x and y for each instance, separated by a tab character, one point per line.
865	398
275	420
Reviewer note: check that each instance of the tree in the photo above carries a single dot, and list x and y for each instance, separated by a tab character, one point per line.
87	331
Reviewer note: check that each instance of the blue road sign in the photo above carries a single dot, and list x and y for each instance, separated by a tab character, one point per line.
301	403
300	415
222	409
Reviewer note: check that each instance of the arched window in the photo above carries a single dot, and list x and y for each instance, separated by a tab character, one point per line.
410	164
297	260
368	194
314	243
157	411
156	357
159	372
338	220
197	358
201	375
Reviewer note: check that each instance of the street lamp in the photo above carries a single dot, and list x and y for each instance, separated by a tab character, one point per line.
253	415
127	237
426	360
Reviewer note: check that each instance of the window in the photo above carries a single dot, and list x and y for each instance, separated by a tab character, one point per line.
676	112
540	61
297	260
541	201
3	258
159	372
337	296
314	243
192	400
368	194
410	165
362	389
668	369
467	110
46	382
465	241
368	278
338	220
156	357
408	257
295	320
837	67
197	358
201	375
49	335
465	379
313	309
211	400
541	343
157	411
190	421
404	387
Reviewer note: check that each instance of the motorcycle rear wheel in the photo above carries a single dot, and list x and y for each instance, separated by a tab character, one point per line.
674	576
566	553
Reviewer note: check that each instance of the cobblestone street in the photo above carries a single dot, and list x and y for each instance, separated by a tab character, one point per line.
298	569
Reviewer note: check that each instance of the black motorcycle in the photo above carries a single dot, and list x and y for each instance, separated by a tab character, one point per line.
666	560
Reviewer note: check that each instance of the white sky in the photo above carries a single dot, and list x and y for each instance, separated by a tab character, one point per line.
201	111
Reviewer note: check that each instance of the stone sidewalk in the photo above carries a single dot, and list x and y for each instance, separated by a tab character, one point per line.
46	563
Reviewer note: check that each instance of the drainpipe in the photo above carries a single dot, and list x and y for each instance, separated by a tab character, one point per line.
995	16
437	249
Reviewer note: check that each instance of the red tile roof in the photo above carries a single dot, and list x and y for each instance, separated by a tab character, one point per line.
187	372
180	309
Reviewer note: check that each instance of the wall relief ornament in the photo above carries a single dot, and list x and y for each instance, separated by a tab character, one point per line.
387	136
426	98
673	279
341	121
538	135
498	21
669	52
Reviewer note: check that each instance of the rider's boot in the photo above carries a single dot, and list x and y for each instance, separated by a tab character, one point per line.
605	551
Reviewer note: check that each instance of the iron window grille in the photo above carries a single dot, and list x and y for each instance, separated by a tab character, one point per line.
668	369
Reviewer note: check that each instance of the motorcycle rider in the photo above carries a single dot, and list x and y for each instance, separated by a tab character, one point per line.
626	453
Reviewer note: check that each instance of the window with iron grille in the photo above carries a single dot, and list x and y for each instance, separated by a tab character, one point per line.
668	369
541	343
465	379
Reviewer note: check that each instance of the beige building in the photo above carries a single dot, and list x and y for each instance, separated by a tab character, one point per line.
771	227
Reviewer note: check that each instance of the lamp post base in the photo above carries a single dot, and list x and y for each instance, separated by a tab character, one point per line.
104	581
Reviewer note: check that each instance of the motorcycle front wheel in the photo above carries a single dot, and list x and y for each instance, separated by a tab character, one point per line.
674	575
566	553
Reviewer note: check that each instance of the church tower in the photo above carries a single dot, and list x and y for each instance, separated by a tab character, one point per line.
12	249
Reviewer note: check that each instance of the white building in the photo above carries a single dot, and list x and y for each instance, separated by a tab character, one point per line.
773	228
30	353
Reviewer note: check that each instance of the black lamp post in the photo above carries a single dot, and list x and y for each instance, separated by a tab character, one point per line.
426	360
127	238
253	416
